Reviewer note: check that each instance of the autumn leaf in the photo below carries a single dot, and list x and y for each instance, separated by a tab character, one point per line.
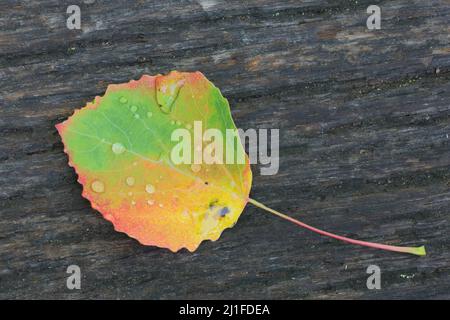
121	146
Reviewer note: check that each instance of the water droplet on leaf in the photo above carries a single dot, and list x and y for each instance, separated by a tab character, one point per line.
149	188
130	181
166	96
98	186
118	148
123	100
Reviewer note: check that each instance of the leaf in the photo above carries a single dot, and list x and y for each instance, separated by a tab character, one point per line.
120	147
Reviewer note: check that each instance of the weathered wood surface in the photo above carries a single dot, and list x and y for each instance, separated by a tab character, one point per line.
365	147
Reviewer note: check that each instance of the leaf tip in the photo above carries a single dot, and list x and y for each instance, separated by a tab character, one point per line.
60	127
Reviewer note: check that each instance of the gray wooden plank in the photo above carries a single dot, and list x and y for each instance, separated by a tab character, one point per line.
364	146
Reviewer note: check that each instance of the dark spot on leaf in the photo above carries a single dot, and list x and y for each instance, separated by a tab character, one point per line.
224	211
213	203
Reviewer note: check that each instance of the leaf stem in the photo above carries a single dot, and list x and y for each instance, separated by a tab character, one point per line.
420	251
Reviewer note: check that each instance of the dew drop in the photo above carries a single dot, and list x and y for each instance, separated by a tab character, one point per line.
130	193
98	186
130	181
136	116
123	100
161	205
149	188
178	123
196	167
189	126
149	114
118	148
133	108
172	122
150	202
166	95
133	202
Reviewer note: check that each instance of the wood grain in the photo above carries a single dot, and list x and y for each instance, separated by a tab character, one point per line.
364	145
